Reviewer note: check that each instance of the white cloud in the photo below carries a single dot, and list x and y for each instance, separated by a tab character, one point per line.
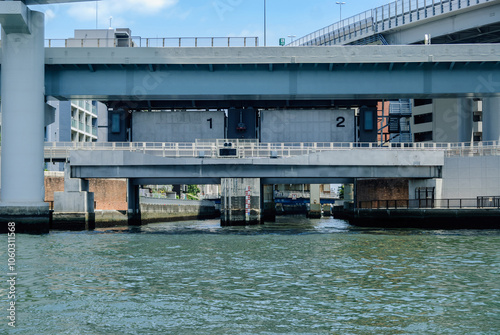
139	6
86	11
49	14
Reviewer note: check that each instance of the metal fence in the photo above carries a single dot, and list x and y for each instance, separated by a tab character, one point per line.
162	42
479	202
228	148
380	19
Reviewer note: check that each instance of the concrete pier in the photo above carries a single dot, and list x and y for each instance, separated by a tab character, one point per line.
315	202
23	72
348	192
491	119
426	218
134	207
240	201
74	208
268	204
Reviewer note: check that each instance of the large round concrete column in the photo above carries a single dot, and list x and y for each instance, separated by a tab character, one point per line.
23	68
491	119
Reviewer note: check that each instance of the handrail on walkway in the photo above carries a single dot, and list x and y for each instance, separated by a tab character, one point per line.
228	148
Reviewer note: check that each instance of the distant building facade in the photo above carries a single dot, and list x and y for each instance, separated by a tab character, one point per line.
447	120
76	121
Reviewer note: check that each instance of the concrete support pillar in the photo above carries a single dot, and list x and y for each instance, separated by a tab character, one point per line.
268	204
435	183
348	192
74	208
465	120
327	210
315	202
491	119
23	73
240	201
134	205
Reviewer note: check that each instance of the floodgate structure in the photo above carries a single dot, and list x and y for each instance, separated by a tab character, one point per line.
249	117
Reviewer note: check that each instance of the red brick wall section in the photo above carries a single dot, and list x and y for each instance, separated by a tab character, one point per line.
382	189
109	194
53	184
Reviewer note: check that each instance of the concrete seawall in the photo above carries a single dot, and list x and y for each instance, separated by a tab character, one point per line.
425	218
160	210
152	210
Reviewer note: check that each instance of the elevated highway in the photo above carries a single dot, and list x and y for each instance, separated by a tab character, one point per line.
154	78
408	21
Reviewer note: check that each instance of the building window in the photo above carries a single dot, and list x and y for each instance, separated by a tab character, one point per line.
423	137
422	118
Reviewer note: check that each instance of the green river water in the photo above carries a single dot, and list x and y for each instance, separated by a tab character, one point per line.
295	276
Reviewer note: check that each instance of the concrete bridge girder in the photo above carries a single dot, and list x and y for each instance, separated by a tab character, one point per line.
273	73
445	24
359	163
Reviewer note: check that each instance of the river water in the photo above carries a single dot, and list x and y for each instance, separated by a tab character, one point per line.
295	276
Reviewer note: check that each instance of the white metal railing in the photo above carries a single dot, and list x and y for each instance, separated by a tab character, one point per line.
380	19
302	194
162	42
253	149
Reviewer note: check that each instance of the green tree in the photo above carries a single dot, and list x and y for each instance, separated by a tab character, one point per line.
341	192
193	189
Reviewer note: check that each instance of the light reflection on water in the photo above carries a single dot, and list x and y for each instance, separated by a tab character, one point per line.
296	276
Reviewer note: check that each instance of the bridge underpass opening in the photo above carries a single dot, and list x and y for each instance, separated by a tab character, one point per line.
237	201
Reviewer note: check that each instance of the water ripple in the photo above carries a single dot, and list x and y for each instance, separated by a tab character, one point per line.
293	277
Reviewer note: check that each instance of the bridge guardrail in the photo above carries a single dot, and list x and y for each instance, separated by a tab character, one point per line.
254	149
382	18
479	202
158	42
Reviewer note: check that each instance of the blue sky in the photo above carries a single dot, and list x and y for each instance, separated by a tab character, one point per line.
202	18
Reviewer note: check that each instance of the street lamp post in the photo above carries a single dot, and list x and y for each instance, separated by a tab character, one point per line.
291	37
265	24
96	14
340	3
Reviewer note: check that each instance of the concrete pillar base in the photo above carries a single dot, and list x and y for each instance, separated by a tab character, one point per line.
74	208
235	223
29	219
73	221
134	219
327	210
240	201
269	213
315	202
314	214
134	204
268	205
